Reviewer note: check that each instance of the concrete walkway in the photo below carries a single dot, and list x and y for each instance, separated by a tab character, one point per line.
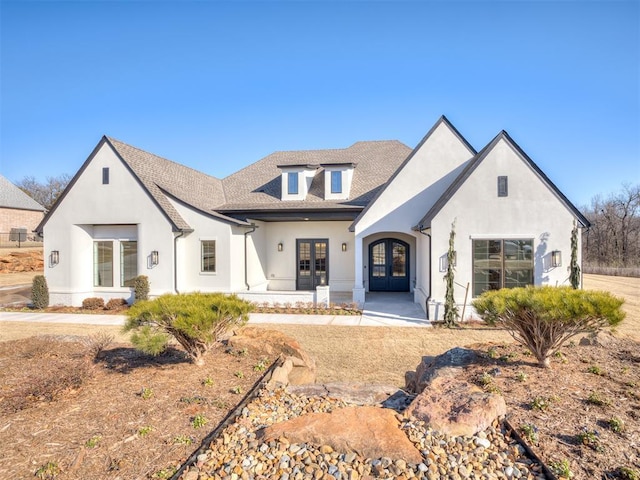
380	310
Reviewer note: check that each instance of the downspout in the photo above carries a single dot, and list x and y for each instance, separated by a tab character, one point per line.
253	228
430	267
175	261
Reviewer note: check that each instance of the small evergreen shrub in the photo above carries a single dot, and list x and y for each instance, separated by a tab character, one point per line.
544	318
93	303
40	292
196	321
141	288
116	304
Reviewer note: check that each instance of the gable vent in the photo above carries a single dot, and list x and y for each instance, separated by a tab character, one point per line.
503	186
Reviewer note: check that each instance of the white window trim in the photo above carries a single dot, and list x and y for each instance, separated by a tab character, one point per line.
207	239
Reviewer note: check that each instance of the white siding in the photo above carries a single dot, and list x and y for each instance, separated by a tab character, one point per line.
70	230
531	210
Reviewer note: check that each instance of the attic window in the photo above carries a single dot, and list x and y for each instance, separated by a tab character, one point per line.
292	182
336	182
105	176
503	186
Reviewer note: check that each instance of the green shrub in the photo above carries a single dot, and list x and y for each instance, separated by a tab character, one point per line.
543	318
116	304
195	320
40	292
93	303
140	288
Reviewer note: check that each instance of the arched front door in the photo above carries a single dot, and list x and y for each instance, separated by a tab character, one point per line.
389	265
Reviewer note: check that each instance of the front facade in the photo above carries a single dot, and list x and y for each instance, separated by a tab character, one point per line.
372	217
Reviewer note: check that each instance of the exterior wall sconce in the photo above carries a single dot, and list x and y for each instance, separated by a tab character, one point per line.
154	258
280	247
556	258
54	258
344	246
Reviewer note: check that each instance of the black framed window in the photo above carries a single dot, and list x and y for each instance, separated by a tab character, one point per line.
128	263
501	263
105	176
208	256
103	264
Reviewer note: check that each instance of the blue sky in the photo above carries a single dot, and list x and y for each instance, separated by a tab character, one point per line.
219	85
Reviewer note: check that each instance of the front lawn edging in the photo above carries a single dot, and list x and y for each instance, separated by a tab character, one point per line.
231	416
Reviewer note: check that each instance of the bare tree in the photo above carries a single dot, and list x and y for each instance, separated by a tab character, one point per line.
614	237
45	193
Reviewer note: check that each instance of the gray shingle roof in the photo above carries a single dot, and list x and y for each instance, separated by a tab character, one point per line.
161	177
12	197
258	186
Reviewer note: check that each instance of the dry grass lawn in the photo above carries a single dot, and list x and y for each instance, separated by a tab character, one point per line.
374	354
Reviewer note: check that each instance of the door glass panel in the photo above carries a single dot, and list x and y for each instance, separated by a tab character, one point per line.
304	259
399	260
321	258
378	259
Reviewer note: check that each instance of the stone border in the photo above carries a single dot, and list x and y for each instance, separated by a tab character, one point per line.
231	416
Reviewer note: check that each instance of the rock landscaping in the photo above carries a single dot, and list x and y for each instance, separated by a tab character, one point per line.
285	436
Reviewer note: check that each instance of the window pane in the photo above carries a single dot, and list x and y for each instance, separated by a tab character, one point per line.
304	259
208	255
503	186
128	263
292	180
336	182
399	266
103	264
487	265
518	263
378	258
321	257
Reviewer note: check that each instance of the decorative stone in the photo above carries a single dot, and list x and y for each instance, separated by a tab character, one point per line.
369	431
456	408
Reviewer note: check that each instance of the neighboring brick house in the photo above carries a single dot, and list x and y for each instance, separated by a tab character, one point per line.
17	210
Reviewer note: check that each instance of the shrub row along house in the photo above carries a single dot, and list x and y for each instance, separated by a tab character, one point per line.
375	216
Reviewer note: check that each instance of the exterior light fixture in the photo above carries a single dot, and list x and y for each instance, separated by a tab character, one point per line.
280	247
344	246
54	257
556	258
154	258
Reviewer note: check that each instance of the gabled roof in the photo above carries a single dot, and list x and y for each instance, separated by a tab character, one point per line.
162	179
258	186
441	120
425	222
12	197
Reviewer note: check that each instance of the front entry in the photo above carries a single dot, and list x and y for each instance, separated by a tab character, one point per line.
313	264
389	266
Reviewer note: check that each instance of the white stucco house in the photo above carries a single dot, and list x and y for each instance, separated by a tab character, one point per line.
375	216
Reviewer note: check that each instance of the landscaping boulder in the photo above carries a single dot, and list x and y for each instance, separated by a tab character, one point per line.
357	393
443	365
456	407
370	432
298	367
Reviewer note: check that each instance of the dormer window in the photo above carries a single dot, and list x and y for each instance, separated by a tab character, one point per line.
292	183
296	181
336	182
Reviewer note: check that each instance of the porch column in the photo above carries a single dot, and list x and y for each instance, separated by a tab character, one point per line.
358	287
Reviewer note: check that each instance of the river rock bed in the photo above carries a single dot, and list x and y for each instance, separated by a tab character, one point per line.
238	453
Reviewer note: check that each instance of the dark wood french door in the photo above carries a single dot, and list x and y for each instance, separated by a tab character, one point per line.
389	265
313	263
